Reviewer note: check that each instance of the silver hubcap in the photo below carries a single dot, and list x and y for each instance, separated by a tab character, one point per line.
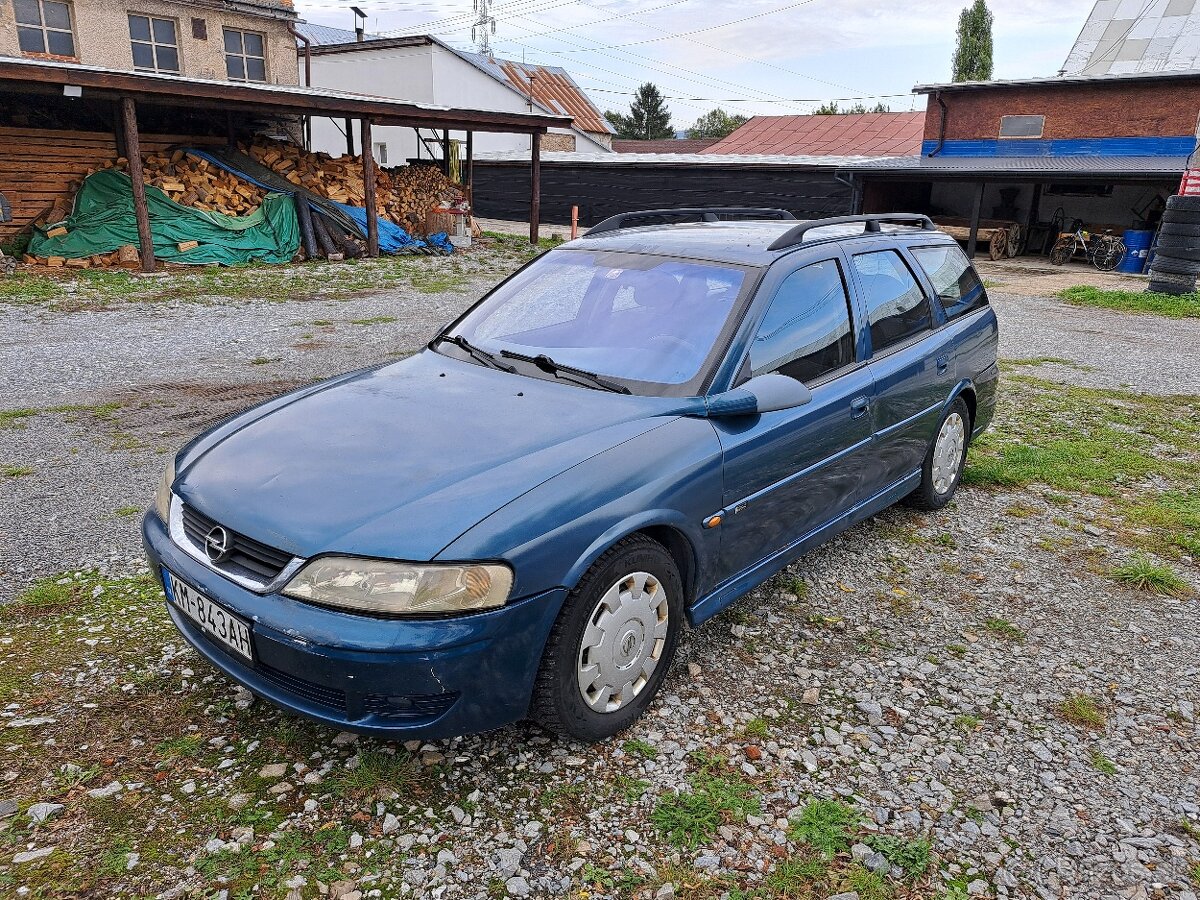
623	642
947	452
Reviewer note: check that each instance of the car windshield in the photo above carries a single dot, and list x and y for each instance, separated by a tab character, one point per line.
648	319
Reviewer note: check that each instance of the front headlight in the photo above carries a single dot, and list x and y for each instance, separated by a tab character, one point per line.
396	588
162	498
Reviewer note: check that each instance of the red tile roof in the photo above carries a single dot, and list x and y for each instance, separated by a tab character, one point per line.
865	134
669	145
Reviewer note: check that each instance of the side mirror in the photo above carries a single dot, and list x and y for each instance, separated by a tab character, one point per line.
765	393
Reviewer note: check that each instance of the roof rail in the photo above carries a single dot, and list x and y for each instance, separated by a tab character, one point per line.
699	213
871	223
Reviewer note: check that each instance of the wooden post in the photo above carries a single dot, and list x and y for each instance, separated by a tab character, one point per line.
138	179
468	171
1034	211
976	209
350	137
535	186
446	152
369	189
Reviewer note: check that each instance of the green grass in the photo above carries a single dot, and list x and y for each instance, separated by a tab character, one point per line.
795	877
1103	764
1082	709
690	818
1185	306
758	728
374	320
126	511
264	360
635	747
376	770
912	856
14	418
867	884
826	825
16	471
186	745
967	724
1143	574
1004	629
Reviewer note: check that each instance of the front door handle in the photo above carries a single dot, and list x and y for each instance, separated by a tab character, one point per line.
859	406
942	365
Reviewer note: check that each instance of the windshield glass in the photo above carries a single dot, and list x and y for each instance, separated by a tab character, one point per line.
629	316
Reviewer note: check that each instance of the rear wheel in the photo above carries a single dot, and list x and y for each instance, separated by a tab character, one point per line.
612	644
1063	249
943	467
1109	254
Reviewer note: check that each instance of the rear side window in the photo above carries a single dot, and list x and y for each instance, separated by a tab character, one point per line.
806	331
896	305
954	278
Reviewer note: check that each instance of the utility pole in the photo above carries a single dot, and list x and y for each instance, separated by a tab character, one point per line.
484	28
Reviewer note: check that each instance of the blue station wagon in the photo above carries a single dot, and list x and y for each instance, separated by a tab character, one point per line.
631	432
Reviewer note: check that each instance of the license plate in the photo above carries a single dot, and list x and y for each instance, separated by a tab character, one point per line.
214	620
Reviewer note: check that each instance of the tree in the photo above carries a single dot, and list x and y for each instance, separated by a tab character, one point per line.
831	109
648	119
973	53
716	124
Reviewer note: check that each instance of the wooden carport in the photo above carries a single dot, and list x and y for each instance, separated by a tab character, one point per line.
127	90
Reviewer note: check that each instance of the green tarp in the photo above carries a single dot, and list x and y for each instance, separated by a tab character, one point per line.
103	221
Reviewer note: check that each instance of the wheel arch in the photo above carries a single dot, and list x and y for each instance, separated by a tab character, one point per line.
966	390
667	528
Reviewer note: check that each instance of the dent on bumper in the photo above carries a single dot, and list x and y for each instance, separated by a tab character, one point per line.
392	678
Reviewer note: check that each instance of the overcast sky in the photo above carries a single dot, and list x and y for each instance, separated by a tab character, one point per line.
767	57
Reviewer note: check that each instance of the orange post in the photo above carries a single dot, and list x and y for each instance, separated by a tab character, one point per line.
574	222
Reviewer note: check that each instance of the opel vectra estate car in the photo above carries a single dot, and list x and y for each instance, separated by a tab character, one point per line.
629	433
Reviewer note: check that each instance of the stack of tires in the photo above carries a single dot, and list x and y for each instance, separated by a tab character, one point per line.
1176	261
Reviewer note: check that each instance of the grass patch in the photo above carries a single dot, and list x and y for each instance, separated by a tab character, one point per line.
635	747
374	320
912	856
757	728
126	511
264	360
797	876
16	471
689	819
826	825
867	884
377	770
1103	764
1082	709
1184	306
1143	574
967	724
14	418
1004	629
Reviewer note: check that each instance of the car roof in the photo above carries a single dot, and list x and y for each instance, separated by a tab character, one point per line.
744	242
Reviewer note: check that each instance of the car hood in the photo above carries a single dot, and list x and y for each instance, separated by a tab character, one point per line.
399	461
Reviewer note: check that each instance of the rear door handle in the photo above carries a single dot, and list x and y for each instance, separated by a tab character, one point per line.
942	365
858	406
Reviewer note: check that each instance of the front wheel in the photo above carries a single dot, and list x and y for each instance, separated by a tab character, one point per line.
1064	249
1109	254
945	460
613	642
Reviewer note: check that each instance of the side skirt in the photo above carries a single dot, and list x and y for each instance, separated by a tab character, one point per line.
732	588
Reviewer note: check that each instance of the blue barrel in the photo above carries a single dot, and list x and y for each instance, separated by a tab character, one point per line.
1138	244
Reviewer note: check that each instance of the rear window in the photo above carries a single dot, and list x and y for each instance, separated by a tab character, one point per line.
954	278
806	331
896	306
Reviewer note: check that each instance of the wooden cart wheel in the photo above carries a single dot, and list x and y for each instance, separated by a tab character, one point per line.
998	245
1014	241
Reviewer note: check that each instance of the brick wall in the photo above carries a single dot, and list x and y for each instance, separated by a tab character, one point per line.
1161	109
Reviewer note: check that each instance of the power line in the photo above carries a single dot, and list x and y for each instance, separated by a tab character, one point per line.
684	34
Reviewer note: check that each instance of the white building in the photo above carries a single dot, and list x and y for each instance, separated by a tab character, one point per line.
422	69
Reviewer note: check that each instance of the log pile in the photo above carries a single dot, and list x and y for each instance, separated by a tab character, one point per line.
195	182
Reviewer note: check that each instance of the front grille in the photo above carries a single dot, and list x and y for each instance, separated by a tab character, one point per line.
402	708
308	690
247	557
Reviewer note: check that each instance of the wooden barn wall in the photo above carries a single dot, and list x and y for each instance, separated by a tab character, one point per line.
501	191
41	168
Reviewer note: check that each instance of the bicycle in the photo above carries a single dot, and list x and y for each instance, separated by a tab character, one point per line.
1104	251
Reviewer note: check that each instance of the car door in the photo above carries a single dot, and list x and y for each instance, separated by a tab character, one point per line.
787	473
912	371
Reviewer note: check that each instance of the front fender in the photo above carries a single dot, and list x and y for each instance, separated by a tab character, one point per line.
669	476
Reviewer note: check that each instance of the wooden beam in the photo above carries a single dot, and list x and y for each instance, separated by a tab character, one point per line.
369	189
446	152
976	210
468	170
138	179
350	137
535	186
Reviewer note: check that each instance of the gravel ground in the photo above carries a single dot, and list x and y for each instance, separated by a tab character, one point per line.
971	678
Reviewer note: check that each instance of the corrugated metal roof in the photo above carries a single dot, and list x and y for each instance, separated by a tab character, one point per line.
675	159
852	134
322	35
670	145
1137	36
1167	166
1056	80
552	88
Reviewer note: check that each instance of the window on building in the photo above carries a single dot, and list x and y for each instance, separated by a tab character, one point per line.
806	331
1022	126
155	44
896	306
44	26
381	153
958	287
245	55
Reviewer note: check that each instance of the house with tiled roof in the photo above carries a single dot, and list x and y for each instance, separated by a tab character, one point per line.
423	69
847	134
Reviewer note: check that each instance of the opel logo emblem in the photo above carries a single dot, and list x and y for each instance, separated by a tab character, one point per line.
628	643
217	544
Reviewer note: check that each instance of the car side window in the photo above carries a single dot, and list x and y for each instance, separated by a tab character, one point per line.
806	332
896	306
954	278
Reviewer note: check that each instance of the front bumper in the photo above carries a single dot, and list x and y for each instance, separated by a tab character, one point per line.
387	677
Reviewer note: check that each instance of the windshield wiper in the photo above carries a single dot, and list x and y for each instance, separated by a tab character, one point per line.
476	353
558	370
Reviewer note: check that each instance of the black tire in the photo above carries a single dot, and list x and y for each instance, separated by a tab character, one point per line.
1182	216
1183	202
558	703
1179	247
927	496
1179	229
1172	265
1172	278
1173	288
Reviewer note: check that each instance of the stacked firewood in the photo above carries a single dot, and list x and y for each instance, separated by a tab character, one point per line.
404	195
192	181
